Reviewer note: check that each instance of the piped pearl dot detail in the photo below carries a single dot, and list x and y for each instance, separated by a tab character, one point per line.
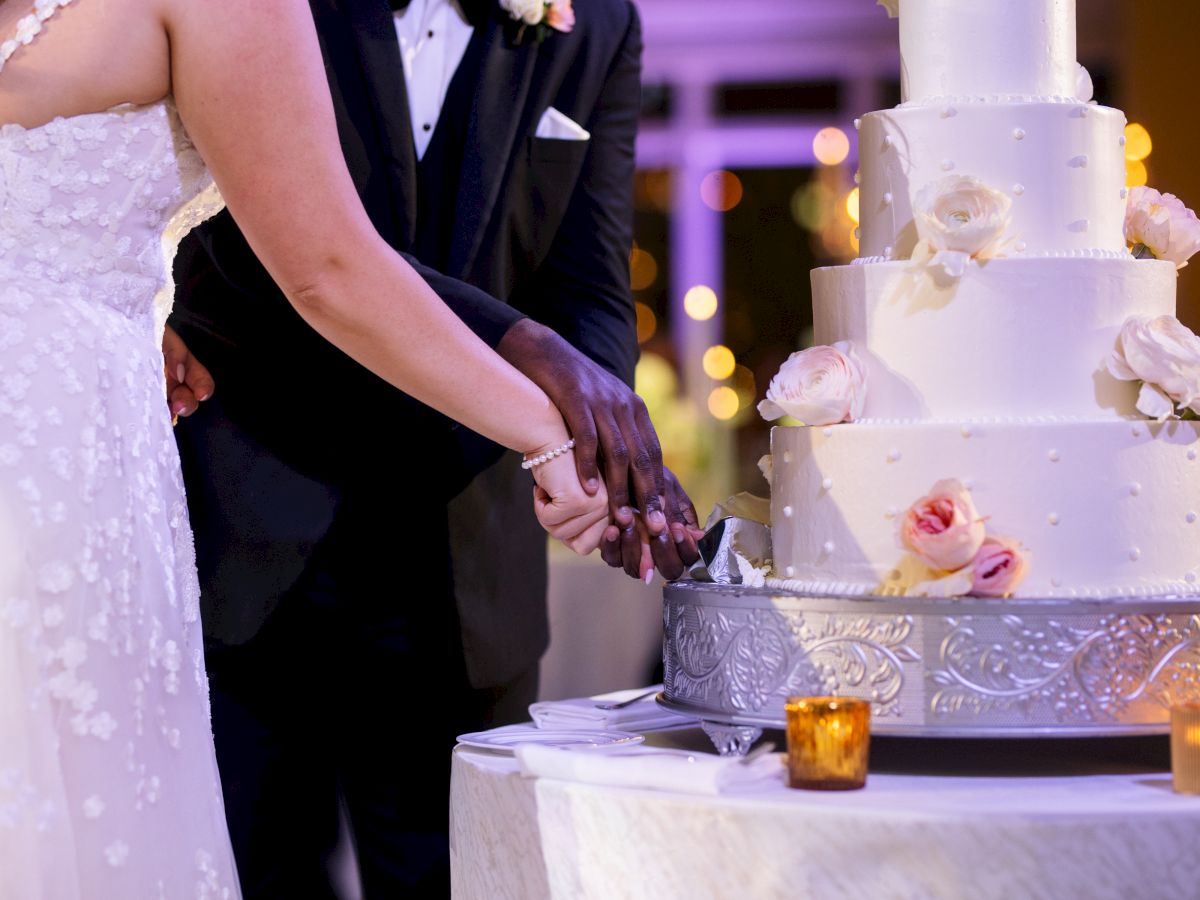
789	571
1121	141
1018	189
1019	134
887	141
787	512
1135	554
1135	489
949	112
857	124
1078	162
893	455
857	233
787	456
858	177
1021	247
887	199
1190	517
947	165
828	432
1124	193
827	484
829	547
887	252
1052	518
1191	454
1190	577
1053	456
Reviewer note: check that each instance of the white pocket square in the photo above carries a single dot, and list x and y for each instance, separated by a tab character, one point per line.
556	126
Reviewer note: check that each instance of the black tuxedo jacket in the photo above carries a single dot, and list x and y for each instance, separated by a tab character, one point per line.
297	430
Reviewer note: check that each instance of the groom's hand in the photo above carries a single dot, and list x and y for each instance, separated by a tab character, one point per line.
612	429
188	381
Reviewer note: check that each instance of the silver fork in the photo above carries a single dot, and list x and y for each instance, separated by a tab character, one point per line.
621	704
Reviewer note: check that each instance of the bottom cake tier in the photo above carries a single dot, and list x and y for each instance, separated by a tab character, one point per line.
1100	508
967	667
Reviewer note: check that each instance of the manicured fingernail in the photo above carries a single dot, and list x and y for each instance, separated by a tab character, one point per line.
592	485
649	577
656	519
203	397
624	513
181	373
678	534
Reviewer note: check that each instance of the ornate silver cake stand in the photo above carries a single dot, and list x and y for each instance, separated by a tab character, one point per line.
966	667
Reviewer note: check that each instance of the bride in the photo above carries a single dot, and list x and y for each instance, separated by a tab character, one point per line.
117	112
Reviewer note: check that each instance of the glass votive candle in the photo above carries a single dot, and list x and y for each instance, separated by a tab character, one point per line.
827	742
1185	747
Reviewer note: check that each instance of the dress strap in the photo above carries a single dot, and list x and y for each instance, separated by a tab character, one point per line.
30	27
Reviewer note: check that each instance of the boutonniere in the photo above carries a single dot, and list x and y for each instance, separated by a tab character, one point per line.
541	15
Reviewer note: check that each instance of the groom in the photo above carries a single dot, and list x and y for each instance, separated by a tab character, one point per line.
374	581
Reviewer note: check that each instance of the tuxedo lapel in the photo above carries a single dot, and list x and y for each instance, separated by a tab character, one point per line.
375	34
498	111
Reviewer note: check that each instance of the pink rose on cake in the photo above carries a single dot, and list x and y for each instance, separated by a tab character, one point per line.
943	529
1159	225
1164	355
958	219
997	569
822	385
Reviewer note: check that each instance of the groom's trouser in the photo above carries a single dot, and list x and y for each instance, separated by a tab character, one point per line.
355	684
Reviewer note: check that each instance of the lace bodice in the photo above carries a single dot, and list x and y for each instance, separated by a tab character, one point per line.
96	204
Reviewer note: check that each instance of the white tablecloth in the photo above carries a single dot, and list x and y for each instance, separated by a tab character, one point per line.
906	836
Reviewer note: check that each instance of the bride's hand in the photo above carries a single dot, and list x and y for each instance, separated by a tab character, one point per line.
565	509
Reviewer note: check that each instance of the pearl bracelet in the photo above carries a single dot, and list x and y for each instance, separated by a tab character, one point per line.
548	455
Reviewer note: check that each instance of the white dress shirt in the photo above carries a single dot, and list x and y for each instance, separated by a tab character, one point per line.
433	38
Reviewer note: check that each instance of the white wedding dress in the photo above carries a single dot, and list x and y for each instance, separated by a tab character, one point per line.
108	779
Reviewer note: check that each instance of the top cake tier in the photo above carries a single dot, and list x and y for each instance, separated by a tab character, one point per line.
987	48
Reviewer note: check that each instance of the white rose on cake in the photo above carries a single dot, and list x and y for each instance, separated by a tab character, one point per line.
959	218
819	386
1159	225
1164	355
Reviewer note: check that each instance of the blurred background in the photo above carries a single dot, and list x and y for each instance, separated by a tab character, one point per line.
746	161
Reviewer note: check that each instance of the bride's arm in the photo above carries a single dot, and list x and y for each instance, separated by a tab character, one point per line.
251	90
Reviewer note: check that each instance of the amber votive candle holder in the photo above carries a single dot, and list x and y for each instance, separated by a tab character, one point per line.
827	742
1185	747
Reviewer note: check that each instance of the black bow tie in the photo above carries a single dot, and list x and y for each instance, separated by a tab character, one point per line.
476	11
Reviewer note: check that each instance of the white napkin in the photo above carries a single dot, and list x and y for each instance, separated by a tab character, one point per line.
649	767
559	127
582	712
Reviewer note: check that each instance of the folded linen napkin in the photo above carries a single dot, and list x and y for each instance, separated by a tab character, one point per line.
656	768
582	712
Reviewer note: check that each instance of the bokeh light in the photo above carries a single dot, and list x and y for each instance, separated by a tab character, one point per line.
643	269
700	303
745	385
831	146
652	190
647	322
1135	173
1137	142
723	403
852	210
721	190
719	362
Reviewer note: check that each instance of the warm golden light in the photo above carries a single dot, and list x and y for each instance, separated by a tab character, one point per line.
745	385
1137	142
828	739
723	403
831	146
1185	748
1135	173
852	205
700	303
643	269
719	362
721	190
647	322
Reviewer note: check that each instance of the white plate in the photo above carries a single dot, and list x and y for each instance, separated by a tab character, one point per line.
509	736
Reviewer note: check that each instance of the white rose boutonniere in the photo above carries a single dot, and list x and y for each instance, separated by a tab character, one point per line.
543	15
1159	225
959	219
1164	355
819	386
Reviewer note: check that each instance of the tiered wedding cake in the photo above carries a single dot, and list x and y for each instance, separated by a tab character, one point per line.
980	362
